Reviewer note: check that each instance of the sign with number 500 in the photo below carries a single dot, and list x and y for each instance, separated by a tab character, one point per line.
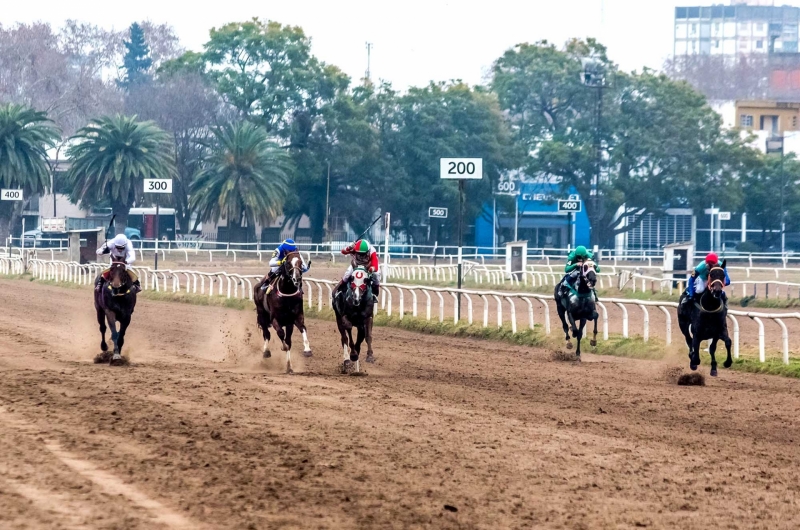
158	185
11	195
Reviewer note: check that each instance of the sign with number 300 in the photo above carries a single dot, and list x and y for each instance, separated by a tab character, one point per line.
158	185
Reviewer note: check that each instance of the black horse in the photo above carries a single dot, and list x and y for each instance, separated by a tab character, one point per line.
353	304
706	319
114	302
578	305
281	306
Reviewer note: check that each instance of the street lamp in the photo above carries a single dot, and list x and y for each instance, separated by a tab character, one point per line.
775	145
594	76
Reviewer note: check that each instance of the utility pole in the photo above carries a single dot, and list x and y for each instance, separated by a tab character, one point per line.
327	203
369	49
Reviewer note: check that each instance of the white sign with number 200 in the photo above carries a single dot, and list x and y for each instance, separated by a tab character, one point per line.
158	185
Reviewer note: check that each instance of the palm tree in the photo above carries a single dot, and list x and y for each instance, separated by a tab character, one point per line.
25	135
112	157
245	177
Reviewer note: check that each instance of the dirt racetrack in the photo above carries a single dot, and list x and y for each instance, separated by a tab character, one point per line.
198	432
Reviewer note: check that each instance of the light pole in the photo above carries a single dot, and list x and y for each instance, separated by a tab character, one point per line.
775	145
327	203
594	76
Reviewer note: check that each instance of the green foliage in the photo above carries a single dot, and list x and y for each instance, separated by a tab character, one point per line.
112	157
245	176
25	135
137	61
266	71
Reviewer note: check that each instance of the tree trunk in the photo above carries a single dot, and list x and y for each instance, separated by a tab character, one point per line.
121	211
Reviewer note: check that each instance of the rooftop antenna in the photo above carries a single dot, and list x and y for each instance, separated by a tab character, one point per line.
369	49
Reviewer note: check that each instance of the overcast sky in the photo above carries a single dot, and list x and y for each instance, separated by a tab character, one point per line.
414	41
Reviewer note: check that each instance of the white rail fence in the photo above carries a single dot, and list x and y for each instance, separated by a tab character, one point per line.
405	299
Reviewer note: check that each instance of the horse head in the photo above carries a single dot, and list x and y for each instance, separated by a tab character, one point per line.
293	268
588	277
716	281
118	278
357	289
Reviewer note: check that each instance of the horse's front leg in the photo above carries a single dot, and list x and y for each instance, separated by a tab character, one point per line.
124	322
289	331
563	317
112	325
572	324
712	349
694	356
300	323
728	360
101	319
594	332
361	333
368	327
343	334
579	337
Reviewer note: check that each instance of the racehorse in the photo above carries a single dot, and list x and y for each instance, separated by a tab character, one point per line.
282	308
579	305
114	303
353	304
706	319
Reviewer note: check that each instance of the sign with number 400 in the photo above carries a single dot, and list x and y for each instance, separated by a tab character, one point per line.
158	185
11	195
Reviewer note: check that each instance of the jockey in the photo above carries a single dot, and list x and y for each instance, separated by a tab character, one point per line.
121	249
697	284
575	259
278	255
364	255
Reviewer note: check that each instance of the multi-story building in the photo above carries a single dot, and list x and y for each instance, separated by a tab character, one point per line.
741	28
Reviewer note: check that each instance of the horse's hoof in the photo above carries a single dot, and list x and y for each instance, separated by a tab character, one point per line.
307	353
345	369
593	343
713	372
103	347
370	358
727	364
267	354
693	366
117	360
103	357
569	345
353	357
578	357
289	371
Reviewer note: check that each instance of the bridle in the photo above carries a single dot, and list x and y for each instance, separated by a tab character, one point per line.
358	273
712	283
293	271
117	291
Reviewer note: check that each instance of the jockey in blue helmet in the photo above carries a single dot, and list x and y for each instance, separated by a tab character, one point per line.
278	255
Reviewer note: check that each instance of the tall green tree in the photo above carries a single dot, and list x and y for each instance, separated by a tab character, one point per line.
267	72
762	188
137	62
110	160
25	135
245	177
657	145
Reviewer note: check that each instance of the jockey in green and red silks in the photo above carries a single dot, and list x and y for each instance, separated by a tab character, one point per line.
697	284
364	255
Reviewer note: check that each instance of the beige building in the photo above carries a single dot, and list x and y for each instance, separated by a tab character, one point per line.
772	116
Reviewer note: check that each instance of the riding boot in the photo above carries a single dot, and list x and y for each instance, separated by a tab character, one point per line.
376	291
268	280
98	283
137	287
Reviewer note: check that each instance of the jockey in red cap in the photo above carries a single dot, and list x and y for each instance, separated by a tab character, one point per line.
364	255
699	279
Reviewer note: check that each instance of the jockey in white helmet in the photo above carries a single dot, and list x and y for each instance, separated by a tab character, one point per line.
121	249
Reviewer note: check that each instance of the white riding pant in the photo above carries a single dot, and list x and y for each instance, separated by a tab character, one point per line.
699	285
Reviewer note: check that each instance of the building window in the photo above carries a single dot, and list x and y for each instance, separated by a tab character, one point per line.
742	26
759	44
717	27
794	122
716	44
760	26
693	31
746	120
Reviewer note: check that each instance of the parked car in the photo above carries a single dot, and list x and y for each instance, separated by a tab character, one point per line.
37	238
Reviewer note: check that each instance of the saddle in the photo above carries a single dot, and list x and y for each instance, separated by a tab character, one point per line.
132	275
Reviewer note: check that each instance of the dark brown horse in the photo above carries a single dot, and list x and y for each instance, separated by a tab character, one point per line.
114	303
353	304
281	307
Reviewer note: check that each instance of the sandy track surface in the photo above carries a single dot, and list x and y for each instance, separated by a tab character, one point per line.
199	432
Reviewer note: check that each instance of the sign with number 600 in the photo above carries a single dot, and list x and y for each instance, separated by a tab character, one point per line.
158	185
11	195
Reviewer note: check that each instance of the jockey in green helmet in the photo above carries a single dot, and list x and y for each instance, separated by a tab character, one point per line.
575	259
